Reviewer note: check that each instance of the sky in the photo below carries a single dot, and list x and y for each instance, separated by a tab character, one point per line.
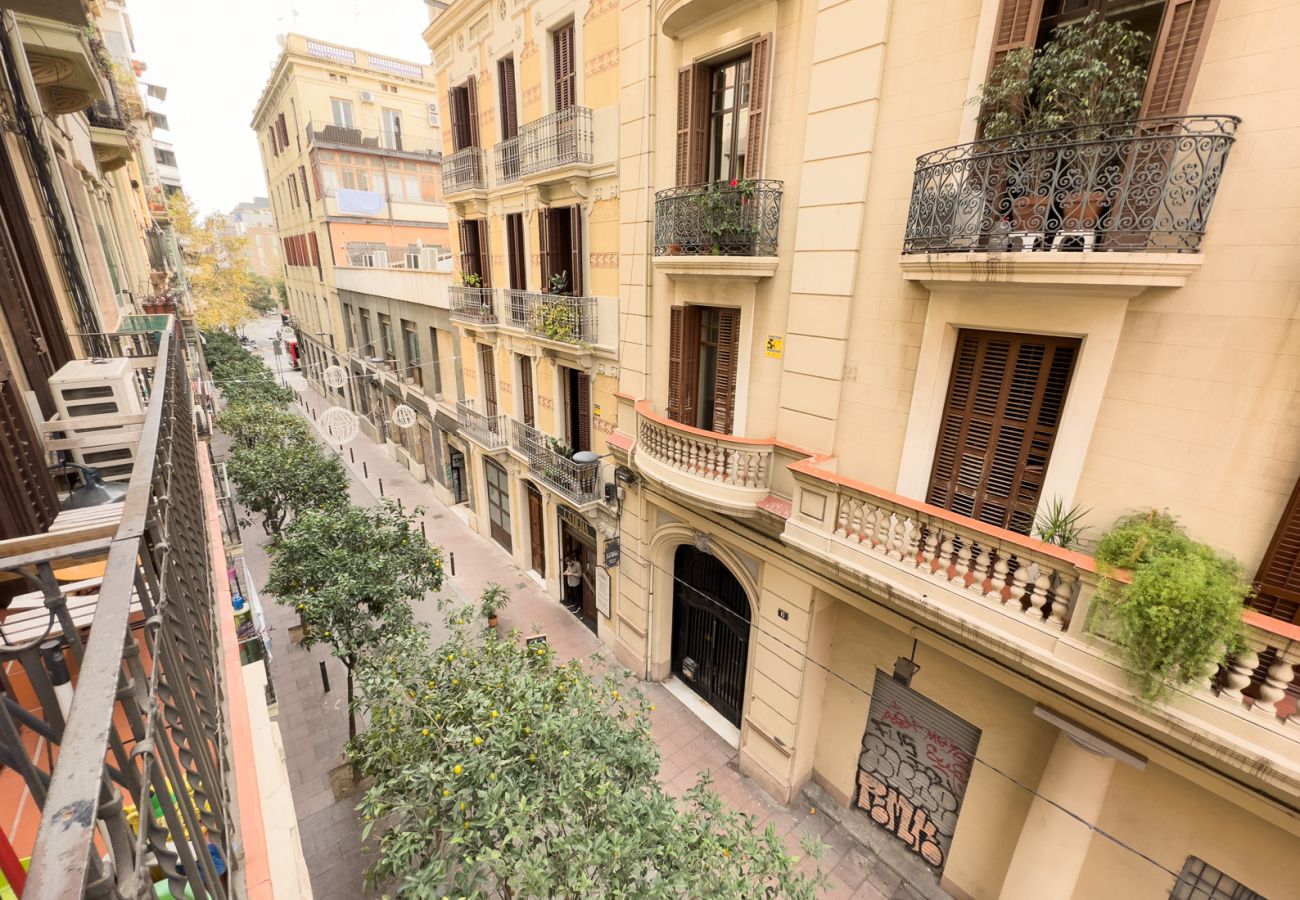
214	59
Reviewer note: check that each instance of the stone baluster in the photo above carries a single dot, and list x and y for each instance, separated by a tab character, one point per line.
980	569
998	577
911	530
1038	599
842	516
1019	585
868	528
961	565
884	525
1280	675
1061	597
1238	675
929	549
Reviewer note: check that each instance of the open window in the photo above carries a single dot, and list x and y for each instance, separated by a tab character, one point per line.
462	103
559	233
722	115
474	250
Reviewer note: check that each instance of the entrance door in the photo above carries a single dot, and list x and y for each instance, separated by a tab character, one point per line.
580	597
498	501
459	492
710	630
536	533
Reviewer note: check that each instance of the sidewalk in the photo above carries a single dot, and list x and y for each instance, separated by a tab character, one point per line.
315	724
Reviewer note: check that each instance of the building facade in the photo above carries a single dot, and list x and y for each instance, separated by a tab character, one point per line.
853	364
255	223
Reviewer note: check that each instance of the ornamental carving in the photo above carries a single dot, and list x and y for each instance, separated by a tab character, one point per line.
602	62
599	8
603	260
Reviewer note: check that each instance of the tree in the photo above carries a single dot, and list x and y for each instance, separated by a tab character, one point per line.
352	574
264	293
500	772
253	422
284	474
215	266
242	377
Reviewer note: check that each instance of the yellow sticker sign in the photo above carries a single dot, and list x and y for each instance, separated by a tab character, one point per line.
775	344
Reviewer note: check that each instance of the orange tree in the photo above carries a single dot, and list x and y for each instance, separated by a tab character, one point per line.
499	771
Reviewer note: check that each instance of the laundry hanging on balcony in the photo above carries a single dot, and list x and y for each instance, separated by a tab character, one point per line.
359	202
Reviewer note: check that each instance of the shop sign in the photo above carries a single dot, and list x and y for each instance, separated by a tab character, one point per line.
613	553
915	763
602	592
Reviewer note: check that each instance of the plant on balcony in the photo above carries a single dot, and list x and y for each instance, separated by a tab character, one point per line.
1179	612
471	279
559	283
1060	526
727	216
558	321
499	771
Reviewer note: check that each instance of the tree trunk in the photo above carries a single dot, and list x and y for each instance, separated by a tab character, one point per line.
352	714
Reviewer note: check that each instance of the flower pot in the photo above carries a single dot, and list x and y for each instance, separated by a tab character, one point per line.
1029	213
674	249
492	621
1082	211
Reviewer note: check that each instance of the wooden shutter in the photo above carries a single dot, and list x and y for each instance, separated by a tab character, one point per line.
683	363
468	253
576	256
306	192
1278	581
999	425
692	124
565	72
526	389
1017	27
584	412
457	119
1177	56
28	502
484	261
515	251
283	130
20	315
488	370
544	266
509	105
471	109
760	66
271	139
724	381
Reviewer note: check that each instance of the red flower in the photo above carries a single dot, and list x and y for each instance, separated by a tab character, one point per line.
733	182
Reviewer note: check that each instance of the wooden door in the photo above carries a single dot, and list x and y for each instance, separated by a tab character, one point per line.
536	531
498	500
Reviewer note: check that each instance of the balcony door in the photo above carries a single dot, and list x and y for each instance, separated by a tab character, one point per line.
722	115
487	368
516	260
498	499
577	408
342	112
462	105
703	356
559	234
392	129
999	425
474	250
566	72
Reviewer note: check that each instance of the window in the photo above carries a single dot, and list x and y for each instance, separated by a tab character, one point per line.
435	363
999	424
577	408
722	116
728	119
487	370
347	325
559	251
462	101
526	399
566	83
271	139
164	157
386	337
703	354
411	344
158	120
498	498
392	129
1277	582
367	341
1201	881
474	250
516	261
508	102
342	111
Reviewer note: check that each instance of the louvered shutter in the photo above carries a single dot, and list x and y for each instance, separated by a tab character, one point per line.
28	502
999	425
283	130
576	256
584	412
692	124
1177	56
1278	581
1017	27
509	107
488	369
683	363
484	261
20	314
565	71
760	65
468	255
471	110
526	390
544	266
457	120
724	382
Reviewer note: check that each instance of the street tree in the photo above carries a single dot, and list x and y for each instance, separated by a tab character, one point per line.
252	422
353	573
215	266
283	475
242	377
499	771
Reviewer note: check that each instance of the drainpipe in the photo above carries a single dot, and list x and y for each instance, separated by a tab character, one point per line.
647	180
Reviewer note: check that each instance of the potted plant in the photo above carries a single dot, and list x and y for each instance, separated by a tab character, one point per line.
471	279
726	216
493	600
559	283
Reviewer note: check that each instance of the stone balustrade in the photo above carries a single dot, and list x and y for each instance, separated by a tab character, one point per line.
1262	677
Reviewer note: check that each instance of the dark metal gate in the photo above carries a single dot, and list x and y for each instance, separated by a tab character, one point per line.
710	630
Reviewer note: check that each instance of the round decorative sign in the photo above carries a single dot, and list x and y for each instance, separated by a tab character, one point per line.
403	416
335	376
287	333
339	425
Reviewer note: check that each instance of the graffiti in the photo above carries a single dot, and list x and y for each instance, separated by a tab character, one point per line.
913	769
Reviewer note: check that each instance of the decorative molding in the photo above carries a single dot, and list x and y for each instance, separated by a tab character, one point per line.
701	541
479	28
1103	270
530	50
533	94
599	8
602	62
603	260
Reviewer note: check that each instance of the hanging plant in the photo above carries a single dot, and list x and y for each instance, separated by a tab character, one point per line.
1180	612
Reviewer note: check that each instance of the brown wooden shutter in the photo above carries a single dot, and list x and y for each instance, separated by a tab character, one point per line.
20	315
999	425
283	130
488	369
565	71
544	266
584	412
468	255
509	105
683	363
724	381
1017	27
760	65
302	173
1278	581
692	124
471	103
515	251
457	122
576	257
484	261
526	389
1177	56
270	137
28	502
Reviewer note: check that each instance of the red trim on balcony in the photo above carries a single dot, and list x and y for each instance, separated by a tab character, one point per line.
1279	627
620	441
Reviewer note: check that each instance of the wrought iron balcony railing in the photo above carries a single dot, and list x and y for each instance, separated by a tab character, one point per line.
137	780
556	317
364	255
473	304
577	482
1145	185
489	432
372	140
105	114
738	218
464	171
506	158
560	139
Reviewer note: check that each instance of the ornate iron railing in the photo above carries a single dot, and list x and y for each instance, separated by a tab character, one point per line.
578	482
506	158
105	114
139	778
1144	185
473	304
556	317
464	171
737	218
490	432
560	139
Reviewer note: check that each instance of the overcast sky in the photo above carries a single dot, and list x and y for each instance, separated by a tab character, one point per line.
214	59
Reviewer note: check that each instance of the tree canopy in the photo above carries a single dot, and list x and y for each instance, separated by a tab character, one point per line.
220	279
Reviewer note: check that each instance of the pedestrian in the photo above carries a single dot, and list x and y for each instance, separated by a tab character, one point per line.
572	583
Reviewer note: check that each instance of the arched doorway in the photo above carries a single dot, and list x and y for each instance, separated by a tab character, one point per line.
710	630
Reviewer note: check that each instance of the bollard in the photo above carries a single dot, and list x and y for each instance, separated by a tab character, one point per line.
313	415
422	534
352	453
365	469
451	558
381	487
324	677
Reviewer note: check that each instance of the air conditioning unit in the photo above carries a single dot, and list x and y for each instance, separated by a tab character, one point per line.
433	114
367	96
102	387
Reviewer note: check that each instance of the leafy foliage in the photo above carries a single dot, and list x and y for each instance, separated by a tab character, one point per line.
1060	526
218	273
557	320
499	771
250	423
243	378
278	475
1180	612
493	600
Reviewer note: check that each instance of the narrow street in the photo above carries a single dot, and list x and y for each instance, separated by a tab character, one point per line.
314	723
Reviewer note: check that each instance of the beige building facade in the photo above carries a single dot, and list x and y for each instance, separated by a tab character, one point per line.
253	221
849	370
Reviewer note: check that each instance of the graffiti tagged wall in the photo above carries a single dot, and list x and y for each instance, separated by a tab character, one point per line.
912	773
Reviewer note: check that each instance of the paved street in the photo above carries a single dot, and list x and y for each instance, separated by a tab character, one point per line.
314	724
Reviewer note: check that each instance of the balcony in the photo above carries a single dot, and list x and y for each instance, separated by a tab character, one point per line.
473	304
579	483
1138	191
505	158
723	228
556	317
365	255
345	137
109	135
489	432
464	171
561	140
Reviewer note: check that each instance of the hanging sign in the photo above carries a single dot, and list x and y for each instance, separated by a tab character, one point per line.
613	553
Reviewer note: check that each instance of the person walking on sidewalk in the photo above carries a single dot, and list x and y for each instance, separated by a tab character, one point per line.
573	583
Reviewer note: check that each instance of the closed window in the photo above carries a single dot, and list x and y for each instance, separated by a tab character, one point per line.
342	112
1201	881
435	362
386	337
566	73
411	344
